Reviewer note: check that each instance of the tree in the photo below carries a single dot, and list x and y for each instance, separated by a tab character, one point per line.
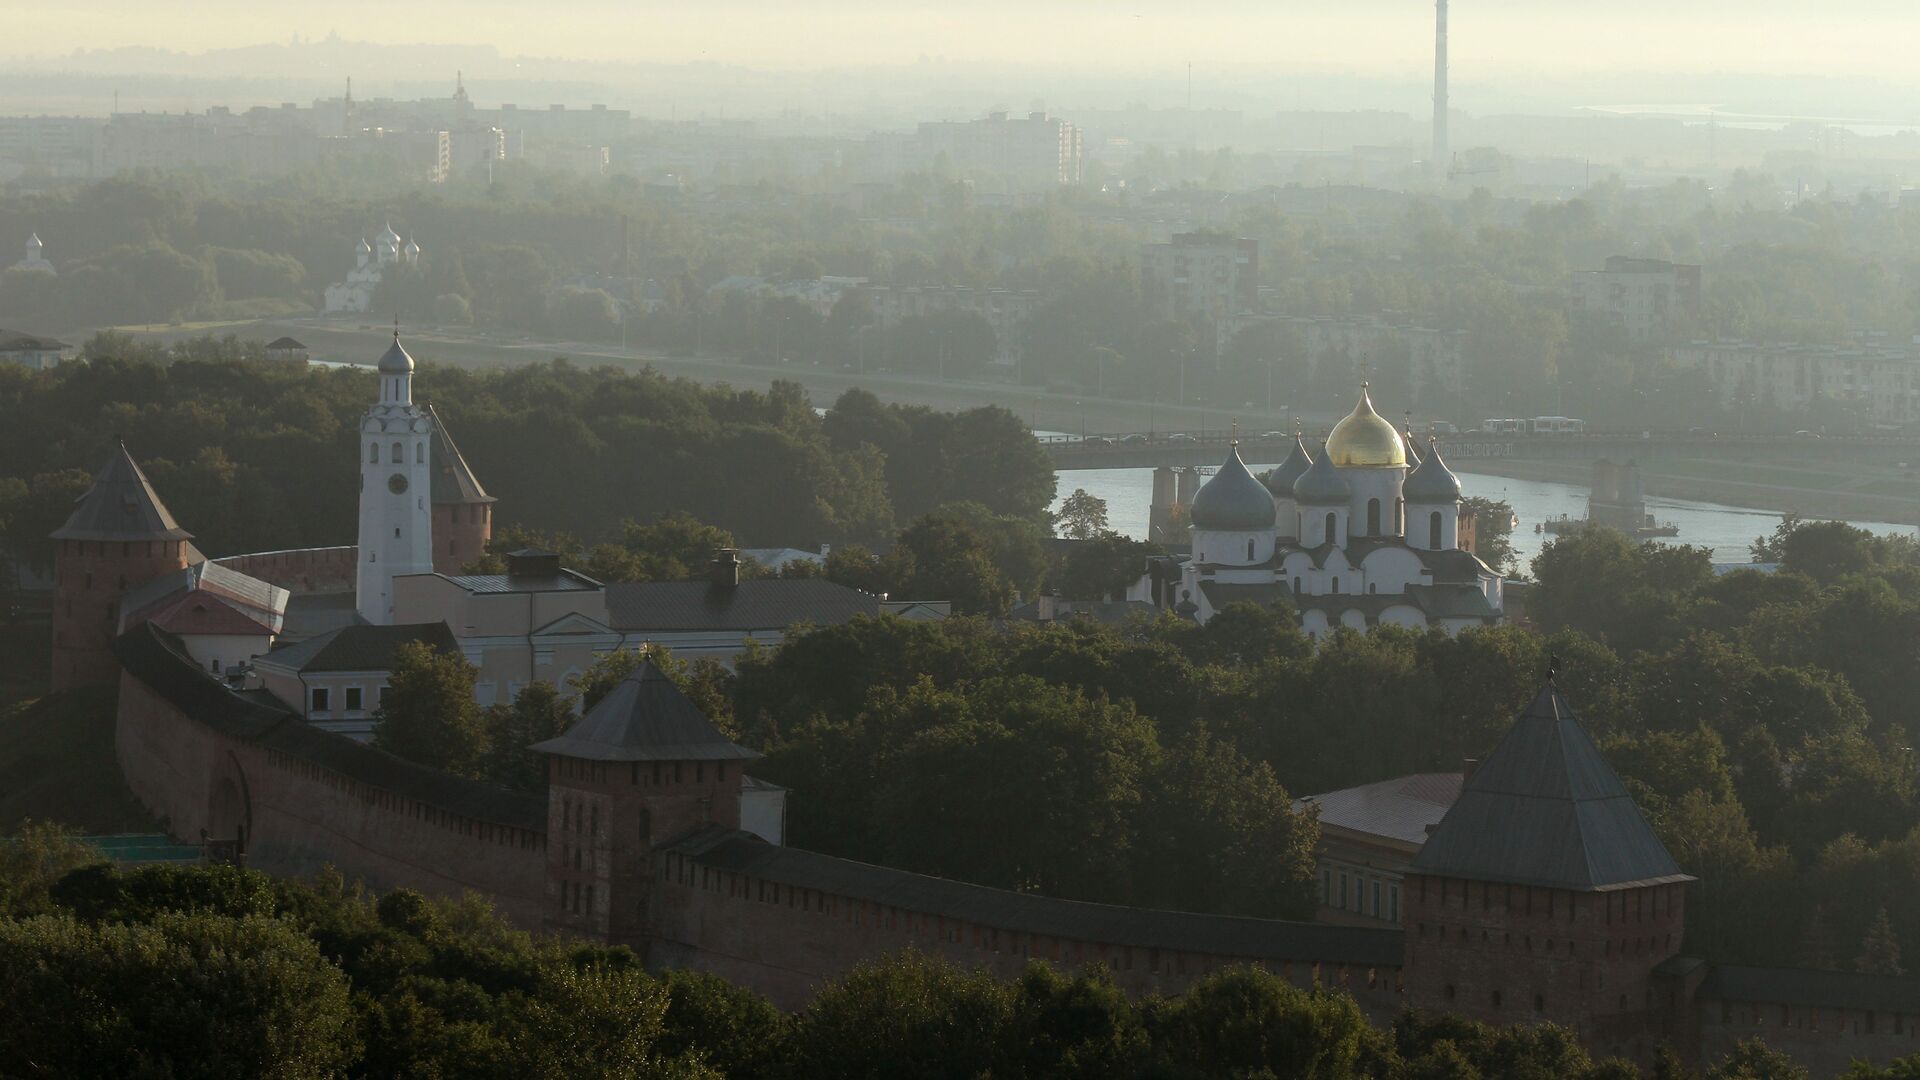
1880	949
943	557
1102	567
904	1016
1082	516
1249	1022
429	714
39	854
538	712
452	309
1755	1060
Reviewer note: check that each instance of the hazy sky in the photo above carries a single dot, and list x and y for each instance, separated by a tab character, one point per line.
1496	37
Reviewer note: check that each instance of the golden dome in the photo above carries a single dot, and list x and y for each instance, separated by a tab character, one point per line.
1365	440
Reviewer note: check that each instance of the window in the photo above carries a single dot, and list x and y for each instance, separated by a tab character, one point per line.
1326	886
1376	899
1336	584
1433	530
399	453
1333	536
1496	999
382	697
353	699
396	532
1400	516
1296	586
213	665
1249	550
373	453
1539	1003
1373	517
420	453
1393	902
319	699
1342	905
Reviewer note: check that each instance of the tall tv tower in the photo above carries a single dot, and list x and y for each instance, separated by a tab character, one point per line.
1440	152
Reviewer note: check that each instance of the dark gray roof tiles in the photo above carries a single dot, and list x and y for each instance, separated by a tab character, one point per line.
564	581
1322	484
645	718
1431	483
1280	479
759	604
1546	809
1212	935
1399	809
1822	989
362	647
121	505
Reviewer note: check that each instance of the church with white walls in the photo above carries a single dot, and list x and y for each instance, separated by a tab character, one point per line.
1365	533
355	295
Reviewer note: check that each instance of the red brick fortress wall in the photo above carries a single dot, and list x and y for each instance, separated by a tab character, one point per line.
90	579
301	571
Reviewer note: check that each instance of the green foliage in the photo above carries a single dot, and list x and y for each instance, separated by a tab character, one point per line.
904	1016
39	855
429	714
537	713
1081	516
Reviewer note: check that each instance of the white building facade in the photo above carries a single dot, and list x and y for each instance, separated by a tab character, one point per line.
355	295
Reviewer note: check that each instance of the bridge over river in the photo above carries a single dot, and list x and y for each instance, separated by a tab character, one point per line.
1202	448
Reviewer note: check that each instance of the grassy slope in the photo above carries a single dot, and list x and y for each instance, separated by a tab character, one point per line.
56	762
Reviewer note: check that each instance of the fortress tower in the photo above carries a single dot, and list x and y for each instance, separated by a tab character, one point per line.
1545	895
119	537
396	479
643	767
462	509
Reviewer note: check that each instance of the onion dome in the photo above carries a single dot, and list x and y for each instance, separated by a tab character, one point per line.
34	241
364	248
1432	482
412	248
1322	484
388	237
1413	448
1365	440
1233	501
1281	479
396	361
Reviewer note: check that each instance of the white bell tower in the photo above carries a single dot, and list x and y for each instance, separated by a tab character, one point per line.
396	480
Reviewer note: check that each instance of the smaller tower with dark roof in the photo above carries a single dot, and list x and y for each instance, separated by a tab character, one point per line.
1433	504
642	768
1544	894
120	536
462	509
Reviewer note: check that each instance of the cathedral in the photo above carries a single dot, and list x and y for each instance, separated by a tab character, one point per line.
371	261
1366	533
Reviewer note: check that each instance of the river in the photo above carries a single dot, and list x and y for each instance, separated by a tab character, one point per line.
1727	530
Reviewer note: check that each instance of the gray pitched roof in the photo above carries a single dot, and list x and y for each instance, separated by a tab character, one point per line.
360	648
1431	483
283	343
1399	809
645	718
1547	810
1214	935
760	604
1823	989
15	341
121	505
453	479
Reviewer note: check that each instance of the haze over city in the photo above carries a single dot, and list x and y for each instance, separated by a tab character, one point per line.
1102	541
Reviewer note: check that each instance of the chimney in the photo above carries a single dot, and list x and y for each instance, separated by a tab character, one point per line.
532	563
726	567
1468	766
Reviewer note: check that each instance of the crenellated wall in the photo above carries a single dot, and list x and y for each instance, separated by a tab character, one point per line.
299	799
301	571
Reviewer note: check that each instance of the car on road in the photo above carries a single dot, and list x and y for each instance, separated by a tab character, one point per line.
1181	437
1806	434
1134	439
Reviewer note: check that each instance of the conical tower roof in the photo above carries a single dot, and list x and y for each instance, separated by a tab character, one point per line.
1547	810
645	718
1233	500
453	480
121	505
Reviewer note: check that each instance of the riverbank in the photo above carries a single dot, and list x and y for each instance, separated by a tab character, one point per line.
1810	492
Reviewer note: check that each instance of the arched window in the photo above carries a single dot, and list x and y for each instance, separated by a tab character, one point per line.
399	454
1331	537
373	453
1373	517
1296	586
420	453
1433	530
1336	584
1249	549
1400	517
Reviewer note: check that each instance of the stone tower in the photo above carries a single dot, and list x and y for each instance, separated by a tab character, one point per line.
396	480
642	768
119	537
462	509
1545	895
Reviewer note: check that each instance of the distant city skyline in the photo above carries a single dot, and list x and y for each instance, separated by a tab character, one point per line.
1849	38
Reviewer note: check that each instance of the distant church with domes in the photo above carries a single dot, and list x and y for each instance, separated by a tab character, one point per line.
1366	533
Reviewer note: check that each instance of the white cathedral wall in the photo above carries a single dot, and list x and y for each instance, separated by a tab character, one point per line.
1370	484
1404	615
1232	548
1419	525
1391	570
1313	525
1286	518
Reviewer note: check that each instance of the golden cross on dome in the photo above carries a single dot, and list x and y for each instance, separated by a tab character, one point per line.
1235	429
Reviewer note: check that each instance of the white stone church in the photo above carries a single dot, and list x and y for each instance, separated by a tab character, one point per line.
1364	534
